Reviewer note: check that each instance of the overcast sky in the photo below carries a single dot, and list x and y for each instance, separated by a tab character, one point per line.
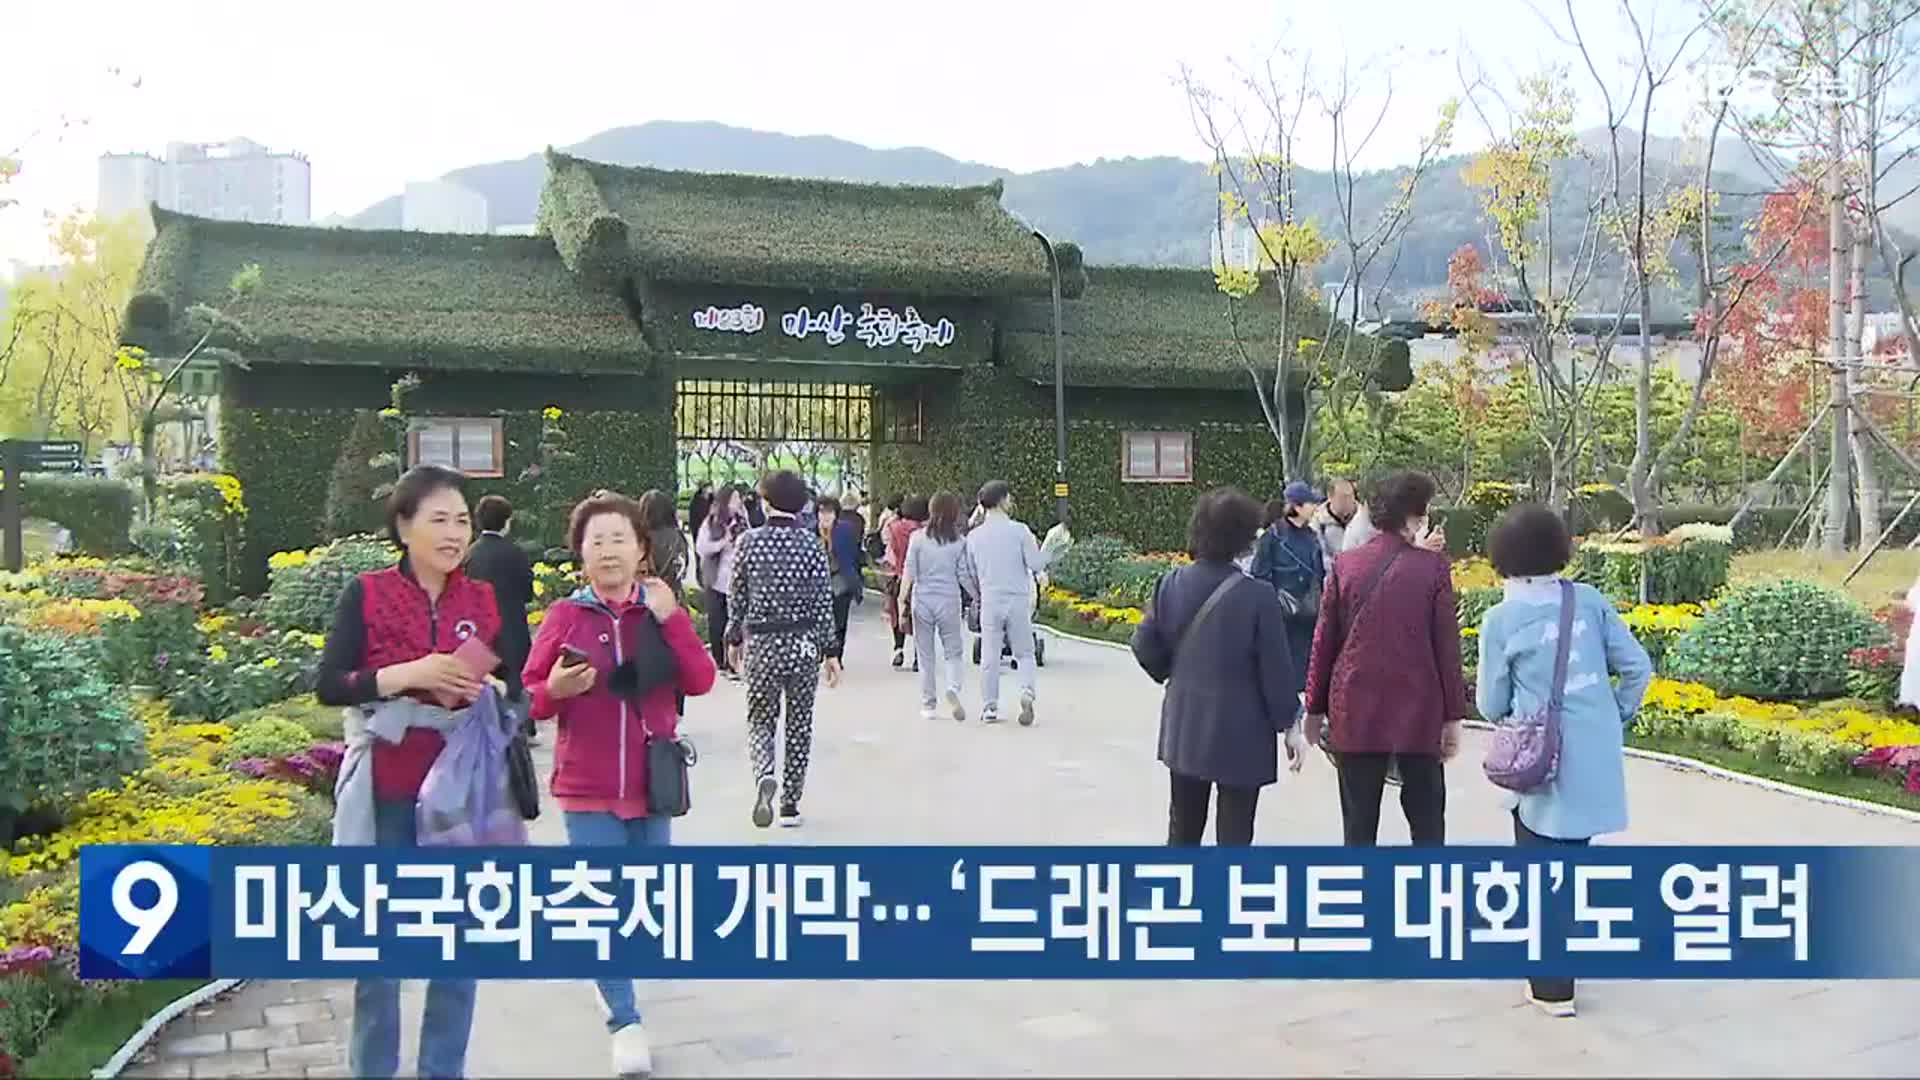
379	93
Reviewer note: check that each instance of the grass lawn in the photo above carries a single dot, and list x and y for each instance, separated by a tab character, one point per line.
1886	579
1864	788
83	1040
36	537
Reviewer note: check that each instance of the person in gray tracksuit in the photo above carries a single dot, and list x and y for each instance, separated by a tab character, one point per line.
781	612
935	584
1007	559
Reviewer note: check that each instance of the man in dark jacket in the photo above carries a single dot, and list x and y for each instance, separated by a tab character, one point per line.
499	562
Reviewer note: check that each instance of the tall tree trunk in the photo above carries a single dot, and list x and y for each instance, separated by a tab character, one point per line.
1839	488
1864	469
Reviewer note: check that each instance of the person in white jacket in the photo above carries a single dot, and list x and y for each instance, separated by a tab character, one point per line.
716	545
1910	673
1011	570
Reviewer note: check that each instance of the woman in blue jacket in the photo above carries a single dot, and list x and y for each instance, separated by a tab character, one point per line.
1289	559
1519	641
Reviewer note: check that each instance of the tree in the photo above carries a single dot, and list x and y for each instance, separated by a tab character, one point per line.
148	384
1257	172
1844	108
61	330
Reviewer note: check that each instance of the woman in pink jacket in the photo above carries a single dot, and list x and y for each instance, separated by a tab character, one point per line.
606	666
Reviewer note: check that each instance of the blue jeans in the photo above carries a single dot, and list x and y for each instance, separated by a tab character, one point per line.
374	1048
608	830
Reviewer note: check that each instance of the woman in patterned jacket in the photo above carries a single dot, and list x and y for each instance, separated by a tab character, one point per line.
781	617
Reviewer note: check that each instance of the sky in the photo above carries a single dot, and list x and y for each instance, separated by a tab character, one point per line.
377	94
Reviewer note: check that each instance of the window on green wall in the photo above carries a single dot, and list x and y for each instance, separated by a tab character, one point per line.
1156	457
473	446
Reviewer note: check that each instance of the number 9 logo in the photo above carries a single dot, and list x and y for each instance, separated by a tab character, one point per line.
147	922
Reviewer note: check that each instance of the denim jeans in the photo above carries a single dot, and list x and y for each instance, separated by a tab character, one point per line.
609	830
374	1047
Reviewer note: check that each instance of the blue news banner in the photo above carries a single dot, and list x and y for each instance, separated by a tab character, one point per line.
998	912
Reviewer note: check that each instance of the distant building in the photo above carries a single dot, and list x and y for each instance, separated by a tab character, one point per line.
440	206
238	180
529	229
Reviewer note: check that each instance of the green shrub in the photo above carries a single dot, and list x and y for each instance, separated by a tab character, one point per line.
205	515
1473	604
97	510
1131	581
1762	527
1687	566
351	506
1599	508
1466	528
303	595
64	729
1088	566
267	737
1778	640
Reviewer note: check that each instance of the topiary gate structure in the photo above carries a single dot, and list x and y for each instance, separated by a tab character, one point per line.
934	302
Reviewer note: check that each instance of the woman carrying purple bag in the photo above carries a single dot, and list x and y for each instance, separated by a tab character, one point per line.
1519	645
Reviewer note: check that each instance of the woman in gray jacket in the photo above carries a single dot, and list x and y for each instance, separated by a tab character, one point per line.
934	586
1218	639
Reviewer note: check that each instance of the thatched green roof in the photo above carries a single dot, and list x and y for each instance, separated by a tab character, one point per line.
388	298
1157	328
813	235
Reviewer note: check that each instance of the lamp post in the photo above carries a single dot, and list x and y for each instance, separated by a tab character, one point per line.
1060	488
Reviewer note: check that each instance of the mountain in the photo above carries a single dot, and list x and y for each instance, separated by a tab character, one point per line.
1148	211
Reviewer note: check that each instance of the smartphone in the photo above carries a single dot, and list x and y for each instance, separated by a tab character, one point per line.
478	658
571	656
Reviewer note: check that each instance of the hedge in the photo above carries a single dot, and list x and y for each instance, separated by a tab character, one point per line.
989	424
285	457
208	513
97	510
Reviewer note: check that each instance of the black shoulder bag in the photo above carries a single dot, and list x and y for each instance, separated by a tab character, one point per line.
1219	593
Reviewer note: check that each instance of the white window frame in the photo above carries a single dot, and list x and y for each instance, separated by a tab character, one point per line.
456	423
1160	475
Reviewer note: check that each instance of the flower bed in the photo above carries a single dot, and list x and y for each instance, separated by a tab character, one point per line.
1826	739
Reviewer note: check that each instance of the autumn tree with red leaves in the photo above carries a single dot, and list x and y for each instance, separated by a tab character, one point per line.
1767	375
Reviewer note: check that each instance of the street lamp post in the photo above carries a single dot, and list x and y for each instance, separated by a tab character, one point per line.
1060	488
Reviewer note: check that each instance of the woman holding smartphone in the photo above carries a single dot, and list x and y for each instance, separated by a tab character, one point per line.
395	636
606	668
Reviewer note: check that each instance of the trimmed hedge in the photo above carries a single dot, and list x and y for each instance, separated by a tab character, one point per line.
1686	572
97	510
1781	640
990	424
208	514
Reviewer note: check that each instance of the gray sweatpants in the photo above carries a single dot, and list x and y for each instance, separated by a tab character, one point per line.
1009	621
941	617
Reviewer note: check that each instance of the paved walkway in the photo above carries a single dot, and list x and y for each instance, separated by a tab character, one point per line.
1087	773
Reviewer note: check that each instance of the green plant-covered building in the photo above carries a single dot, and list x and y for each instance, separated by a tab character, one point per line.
656	306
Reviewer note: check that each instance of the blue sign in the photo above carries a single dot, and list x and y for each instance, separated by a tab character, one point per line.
999	913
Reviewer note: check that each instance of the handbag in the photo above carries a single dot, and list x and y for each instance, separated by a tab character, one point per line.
1525	755
1305	607
669	792
522	783
1359	605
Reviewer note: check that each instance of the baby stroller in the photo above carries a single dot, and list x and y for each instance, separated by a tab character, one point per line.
971	609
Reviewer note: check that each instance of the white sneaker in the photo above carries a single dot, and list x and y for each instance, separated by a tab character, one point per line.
954	706
632	1057
929	714
989	716
1026	710
1559	1010
763	801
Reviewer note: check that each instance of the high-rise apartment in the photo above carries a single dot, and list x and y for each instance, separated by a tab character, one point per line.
238	180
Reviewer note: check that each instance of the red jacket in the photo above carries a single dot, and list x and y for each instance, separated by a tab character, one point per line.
1397	680
601	751
386	618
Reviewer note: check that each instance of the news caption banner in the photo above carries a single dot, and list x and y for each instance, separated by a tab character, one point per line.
150	912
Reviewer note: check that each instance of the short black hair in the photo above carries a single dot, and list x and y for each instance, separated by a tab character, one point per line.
1224	524
414	488
785	491
492	513
893	502
826	504
1530	540
917	508
994	493
1400	498
1276	511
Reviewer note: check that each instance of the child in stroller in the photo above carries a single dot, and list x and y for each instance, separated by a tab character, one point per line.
970	607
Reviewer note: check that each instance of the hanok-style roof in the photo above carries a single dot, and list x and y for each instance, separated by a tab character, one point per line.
816	235
1157	328
350	296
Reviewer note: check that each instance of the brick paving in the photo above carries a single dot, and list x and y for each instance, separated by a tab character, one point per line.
1087	772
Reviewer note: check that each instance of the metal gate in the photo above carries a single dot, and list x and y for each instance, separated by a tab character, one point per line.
736	430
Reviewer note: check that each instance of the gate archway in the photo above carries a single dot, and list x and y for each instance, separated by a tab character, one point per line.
728	430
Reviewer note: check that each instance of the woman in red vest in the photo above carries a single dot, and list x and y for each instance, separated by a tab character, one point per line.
393	636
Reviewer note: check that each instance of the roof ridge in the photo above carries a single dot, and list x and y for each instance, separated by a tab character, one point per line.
957	195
